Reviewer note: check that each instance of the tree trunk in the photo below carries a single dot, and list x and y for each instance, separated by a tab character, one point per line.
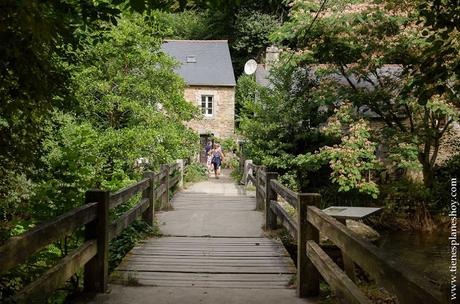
428	175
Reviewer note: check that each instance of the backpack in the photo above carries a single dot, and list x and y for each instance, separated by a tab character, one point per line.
216	157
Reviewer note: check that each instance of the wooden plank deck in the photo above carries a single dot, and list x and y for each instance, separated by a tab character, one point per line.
208	262
213	241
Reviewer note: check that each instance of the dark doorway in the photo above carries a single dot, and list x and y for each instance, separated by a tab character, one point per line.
204	138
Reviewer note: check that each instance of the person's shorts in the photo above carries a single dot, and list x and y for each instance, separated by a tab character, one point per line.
216	165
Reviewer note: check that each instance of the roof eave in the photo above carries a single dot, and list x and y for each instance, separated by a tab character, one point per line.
209	85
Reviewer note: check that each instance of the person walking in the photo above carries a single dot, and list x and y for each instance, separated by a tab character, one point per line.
208	154
217	158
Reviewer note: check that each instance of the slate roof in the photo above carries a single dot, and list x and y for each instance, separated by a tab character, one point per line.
389	70
213	66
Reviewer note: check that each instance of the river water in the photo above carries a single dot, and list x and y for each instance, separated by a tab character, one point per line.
426	253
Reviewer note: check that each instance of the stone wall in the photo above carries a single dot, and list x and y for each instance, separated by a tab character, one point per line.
222	122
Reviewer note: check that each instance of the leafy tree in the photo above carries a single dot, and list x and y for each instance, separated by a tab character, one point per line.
127	103
357	42
38	39
189	24
128	91
281	122
252	31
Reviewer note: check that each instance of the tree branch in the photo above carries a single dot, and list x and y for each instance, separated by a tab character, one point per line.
344	74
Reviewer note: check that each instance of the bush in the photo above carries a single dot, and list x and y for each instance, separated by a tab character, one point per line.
237	174
120	246
231	163
195	172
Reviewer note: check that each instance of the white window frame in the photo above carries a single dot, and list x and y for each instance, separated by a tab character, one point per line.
206	108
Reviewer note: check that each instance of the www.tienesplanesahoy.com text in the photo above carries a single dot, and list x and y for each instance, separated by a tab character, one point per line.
454	206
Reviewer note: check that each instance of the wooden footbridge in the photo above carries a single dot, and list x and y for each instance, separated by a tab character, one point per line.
214	249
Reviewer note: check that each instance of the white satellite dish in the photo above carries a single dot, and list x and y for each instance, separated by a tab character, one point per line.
250	67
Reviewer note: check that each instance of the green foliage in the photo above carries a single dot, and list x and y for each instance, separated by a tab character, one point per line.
195	172
282	122
128	91
71	165
38	40
16	190
237	174
356	41
121	245
437	69
127	103
251	35
354	157
232	163
228	144
245	24
245	93
190	24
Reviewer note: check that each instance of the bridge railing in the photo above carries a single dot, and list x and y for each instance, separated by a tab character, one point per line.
312	261
92	255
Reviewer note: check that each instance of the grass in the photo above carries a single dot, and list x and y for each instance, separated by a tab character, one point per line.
131	280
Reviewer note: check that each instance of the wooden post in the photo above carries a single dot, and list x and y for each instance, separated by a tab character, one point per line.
270	216
348	264
307	275
97	269
247	171
258	194
165	181
147	216
181	172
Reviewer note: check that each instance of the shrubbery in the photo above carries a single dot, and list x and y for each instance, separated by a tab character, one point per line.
127	103
195	172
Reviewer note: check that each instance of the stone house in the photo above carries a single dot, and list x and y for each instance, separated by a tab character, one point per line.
206	67
449	144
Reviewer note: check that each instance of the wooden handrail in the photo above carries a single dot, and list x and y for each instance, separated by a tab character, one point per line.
341	284
54	278
118	225
18	248
408	286
285	219
123	195
93	253
289	196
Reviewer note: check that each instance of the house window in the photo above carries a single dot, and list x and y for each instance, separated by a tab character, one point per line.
207	105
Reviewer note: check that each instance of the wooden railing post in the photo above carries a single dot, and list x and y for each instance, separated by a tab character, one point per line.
271	195
247	170
180	184
348	264
307	275
165	181
97	269
147	216
258	194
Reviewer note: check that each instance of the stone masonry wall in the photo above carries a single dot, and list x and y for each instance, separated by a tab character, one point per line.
222	122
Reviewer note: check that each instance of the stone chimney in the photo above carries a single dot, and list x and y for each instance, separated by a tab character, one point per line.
272	54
